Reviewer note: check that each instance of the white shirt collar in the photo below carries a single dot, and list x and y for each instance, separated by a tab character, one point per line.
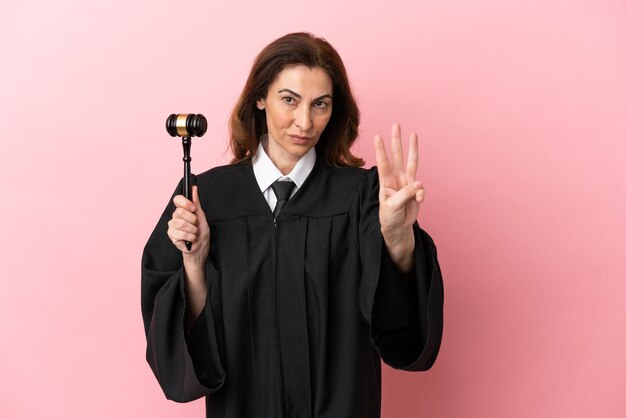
267	173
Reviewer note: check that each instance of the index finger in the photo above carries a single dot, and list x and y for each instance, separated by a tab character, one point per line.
181	201
384	169
396	147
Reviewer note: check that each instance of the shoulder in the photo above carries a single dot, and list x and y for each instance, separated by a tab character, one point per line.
223	175
225	170
230	191
348	174
331	190
353	179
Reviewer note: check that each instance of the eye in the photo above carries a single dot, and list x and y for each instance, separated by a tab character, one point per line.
289	100
320	104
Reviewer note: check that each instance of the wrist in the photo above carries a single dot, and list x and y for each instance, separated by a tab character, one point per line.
400	244
398	237
194	264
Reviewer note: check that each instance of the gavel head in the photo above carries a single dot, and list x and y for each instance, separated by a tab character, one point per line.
186	125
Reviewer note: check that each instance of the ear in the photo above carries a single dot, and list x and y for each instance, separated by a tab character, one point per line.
260	104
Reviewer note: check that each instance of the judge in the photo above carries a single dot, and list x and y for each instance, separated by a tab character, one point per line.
305	269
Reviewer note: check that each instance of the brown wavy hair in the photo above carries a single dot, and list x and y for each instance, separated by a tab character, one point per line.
248	123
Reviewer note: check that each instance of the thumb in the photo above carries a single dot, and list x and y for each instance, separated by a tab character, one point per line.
196	200
402	196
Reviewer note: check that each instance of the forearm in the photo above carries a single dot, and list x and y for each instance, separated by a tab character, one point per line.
195	290
400	243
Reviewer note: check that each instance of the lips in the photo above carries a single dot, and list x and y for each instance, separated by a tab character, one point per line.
300	139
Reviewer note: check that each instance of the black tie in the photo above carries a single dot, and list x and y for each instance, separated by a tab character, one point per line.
282	189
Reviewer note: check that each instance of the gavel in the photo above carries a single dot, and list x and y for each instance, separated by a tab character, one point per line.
186	126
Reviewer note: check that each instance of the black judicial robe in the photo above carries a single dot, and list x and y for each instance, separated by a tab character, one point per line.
298	314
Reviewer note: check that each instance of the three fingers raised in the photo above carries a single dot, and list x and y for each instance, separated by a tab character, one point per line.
396	164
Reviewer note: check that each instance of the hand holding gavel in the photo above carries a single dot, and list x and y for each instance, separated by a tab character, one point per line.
186	125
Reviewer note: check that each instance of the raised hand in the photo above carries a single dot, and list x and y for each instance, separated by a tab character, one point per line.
400	196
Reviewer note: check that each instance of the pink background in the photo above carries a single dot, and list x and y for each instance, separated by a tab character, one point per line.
521	111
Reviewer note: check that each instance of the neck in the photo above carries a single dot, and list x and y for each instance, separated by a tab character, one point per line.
284	168
283	161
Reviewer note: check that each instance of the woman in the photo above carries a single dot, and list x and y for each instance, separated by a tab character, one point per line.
303	272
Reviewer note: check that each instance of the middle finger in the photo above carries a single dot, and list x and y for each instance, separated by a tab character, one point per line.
396	148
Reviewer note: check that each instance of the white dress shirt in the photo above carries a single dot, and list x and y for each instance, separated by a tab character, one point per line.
267	173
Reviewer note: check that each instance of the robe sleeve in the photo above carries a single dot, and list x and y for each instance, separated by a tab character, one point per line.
404	311
186	365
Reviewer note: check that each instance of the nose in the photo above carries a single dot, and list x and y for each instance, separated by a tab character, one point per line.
303	118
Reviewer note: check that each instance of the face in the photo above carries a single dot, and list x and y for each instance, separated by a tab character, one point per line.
298	106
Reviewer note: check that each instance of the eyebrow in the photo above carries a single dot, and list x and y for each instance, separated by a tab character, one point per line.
300	97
